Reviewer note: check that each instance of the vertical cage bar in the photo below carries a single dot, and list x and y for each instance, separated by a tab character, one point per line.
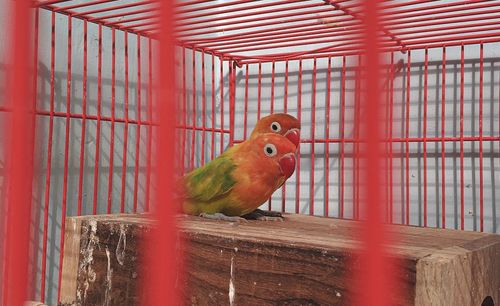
327	136
285	95
245	114
387	142
443	133
313	137
221	61
139	123
84	117
164	247
19	157
426	64
125	130
481	100
184	112
113	102
375	273
407	136
48	173
193	112
203	108
285	110
232	95
259	91
462	206
342	139
493	210
66	156
391	123
355	176
150	127
98	124
34	266
299	115
273	69
212	153
272	110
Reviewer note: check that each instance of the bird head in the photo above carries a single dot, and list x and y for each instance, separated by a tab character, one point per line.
277	154
281	124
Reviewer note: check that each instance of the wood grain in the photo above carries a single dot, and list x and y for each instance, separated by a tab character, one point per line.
302	261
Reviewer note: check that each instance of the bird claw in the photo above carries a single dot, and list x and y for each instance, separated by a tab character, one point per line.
264	215
222	217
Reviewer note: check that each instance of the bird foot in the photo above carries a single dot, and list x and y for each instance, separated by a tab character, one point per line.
264	215
222	217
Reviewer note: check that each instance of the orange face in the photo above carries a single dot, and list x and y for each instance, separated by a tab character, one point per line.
282	124
275	152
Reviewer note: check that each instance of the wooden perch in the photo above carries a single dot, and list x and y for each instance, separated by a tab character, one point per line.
302	261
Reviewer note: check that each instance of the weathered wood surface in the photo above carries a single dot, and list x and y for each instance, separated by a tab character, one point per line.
302	261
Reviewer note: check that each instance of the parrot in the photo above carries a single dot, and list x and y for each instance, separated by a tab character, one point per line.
241	179
279	123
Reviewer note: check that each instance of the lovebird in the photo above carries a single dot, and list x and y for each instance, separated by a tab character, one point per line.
241	179
279	123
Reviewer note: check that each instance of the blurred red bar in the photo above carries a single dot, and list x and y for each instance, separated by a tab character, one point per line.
163	253
19	135
373	272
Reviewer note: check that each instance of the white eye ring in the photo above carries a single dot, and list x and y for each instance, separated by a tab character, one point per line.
270	150
275	127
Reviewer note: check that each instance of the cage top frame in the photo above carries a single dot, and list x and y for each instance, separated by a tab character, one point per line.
251	31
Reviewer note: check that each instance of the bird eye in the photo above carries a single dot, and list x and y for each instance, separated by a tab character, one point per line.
270	150
276	127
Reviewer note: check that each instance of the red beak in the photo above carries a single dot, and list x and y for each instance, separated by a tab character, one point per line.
287	165
294	136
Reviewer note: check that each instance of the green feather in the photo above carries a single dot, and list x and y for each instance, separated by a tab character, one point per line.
211	181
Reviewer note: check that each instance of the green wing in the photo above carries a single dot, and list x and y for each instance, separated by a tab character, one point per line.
212	180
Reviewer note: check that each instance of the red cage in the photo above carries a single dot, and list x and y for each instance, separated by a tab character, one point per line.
238	60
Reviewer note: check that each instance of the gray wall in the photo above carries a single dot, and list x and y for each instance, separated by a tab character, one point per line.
452	127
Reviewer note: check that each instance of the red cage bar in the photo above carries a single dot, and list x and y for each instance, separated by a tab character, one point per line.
305	54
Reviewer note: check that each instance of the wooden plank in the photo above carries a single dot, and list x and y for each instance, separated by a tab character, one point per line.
301	261
70	259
